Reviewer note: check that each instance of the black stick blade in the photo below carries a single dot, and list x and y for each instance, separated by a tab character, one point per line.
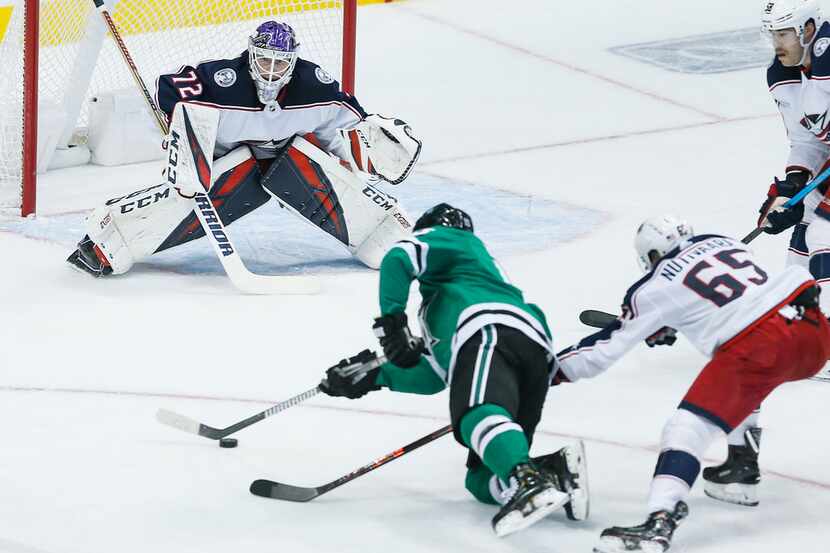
286	492
756	232
596	319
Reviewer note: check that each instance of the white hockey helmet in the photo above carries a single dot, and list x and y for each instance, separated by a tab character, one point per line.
657	236
778	15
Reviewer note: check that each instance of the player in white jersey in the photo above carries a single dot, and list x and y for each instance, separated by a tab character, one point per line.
799	82
760	330
251	108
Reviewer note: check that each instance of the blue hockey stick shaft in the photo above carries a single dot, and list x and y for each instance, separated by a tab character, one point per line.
795	200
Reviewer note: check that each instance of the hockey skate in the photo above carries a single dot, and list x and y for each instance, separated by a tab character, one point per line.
569	471
534	496
653	536
737	479
89	259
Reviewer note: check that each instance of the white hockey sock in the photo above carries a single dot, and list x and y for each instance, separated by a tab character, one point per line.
665	492
736	437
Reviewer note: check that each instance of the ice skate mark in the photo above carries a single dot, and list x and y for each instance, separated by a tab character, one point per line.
374	412
563	64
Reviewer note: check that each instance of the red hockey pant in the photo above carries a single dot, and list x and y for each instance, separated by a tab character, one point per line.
747	368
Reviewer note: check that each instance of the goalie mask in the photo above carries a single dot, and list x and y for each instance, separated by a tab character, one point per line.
272	55
444	215
658	236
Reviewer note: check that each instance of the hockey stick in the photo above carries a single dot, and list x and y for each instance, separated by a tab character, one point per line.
600	319
596	318
242	278
287	492
186	424
791	202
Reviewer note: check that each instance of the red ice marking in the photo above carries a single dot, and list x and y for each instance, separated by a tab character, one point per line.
603	441
560	63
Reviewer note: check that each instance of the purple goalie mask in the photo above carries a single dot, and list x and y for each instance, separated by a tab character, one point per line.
275	36
272	55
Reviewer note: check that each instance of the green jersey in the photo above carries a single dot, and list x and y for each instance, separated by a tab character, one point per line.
463	289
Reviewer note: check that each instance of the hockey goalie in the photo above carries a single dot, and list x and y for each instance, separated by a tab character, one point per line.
266	124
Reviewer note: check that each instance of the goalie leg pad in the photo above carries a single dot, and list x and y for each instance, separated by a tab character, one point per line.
133	227
235	193
316	187
394	227
128	229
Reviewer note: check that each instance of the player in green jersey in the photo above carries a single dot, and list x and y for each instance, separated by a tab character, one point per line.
494	351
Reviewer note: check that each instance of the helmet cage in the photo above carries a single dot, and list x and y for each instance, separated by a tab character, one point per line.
271	67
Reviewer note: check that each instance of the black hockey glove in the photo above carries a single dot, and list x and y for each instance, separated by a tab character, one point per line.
399	345
779	221
349	378
666	336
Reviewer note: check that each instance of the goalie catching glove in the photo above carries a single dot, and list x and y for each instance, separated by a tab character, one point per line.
383	146
352	378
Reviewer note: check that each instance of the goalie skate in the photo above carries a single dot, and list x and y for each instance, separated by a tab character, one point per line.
569	471
89	259
534	497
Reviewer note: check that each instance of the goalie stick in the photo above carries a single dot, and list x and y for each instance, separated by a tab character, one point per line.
243	279
186	424
287	492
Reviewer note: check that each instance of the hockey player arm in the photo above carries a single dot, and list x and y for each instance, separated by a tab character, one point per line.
420	379
594	354
396	275
392	328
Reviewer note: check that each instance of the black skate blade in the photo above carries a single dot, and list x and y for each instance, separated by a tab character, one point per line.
286	492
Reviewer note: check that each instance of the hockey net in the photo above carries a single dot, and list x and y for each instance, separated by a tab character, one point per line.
78	60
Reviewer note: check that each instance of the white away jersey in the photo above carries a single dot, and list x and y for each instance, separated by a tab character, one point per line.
709	289
803	100
311	102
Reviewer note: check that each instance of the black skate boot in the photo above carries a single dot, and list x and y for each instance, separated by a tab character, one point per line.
569	471
534	497
737	479
653	536
89	259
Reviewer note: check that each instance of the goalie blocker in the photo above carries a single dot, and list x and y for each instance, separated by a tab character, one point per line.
303	178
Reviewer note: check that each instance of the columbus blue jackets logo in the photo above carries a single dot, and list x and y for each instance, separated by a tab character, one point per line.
225	77
815	122
821	46
322	76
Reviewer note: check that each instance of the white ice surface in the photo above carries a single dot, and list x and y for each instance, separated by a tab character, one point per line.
513	100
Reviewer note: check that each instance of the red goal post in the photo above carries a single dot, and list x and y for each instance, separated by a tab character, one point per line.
55	55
